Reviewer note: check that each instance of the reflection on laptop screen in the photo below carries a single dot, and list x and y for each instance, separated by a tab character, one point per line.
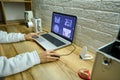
63	25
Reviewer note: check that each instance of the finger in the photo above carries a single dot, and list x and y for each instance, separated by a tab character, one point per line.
51	52
58	56
53	57
35	34
50	60
47	58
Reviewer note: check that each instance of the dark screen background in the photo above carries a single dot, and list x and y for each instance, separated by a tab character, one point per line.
63	25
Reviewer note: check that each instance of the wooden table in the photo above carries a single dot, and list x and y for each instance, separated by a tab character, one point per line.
64	69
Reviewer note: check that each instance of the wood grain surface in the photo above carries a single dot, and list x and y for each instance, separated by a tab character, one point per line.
64	69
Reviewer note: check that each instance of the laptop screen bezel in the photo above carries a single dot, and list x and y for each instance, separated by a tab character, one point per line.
74	25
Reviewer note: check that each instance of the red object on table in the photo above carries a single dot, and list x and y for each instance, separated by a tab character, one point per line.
84	74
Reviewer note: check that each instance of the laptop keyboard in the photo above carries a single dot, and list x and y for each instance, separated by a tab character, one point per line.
40	39
53	40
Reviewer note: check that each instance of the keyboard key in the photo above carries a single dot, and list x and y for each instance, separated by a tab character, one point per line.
53	40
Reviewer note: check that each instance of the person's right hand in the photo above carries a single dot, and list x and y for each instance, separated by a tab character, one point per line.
47	56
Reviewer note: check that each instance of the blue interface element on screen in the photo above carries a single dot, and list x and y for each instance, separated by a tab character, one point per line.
63	25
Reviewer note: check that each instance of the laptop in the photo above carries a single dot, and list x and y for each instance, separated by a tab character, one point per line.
62	32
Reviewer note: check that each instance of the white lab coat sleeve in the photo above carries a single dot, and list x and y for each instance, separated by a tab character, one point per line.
18	63
10	37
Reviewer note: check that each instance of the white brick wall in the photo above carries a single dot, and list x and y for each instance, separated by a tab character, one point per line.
98	20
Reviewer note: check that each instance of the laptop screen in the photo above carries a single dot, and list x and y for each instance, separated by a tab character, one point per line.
63	25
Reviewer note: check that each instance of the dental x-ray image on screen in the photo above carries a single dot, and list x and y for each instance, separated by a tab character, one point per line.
63	25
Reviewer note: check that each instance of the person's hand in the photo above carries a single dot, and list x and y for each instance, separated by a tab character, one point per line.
30	35
48	56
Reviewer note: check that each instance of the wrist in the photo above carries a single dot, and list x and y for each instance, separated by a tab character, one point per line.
25	36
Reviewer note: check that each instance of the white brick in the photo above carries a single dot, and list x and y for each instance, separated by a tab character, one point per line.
74	11
100	26
93	5
64	3
49	2
110	0
108	17
111	6
97	35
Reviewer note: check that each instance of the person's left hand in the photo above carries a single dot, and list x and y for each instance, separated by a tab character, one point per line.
30	35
